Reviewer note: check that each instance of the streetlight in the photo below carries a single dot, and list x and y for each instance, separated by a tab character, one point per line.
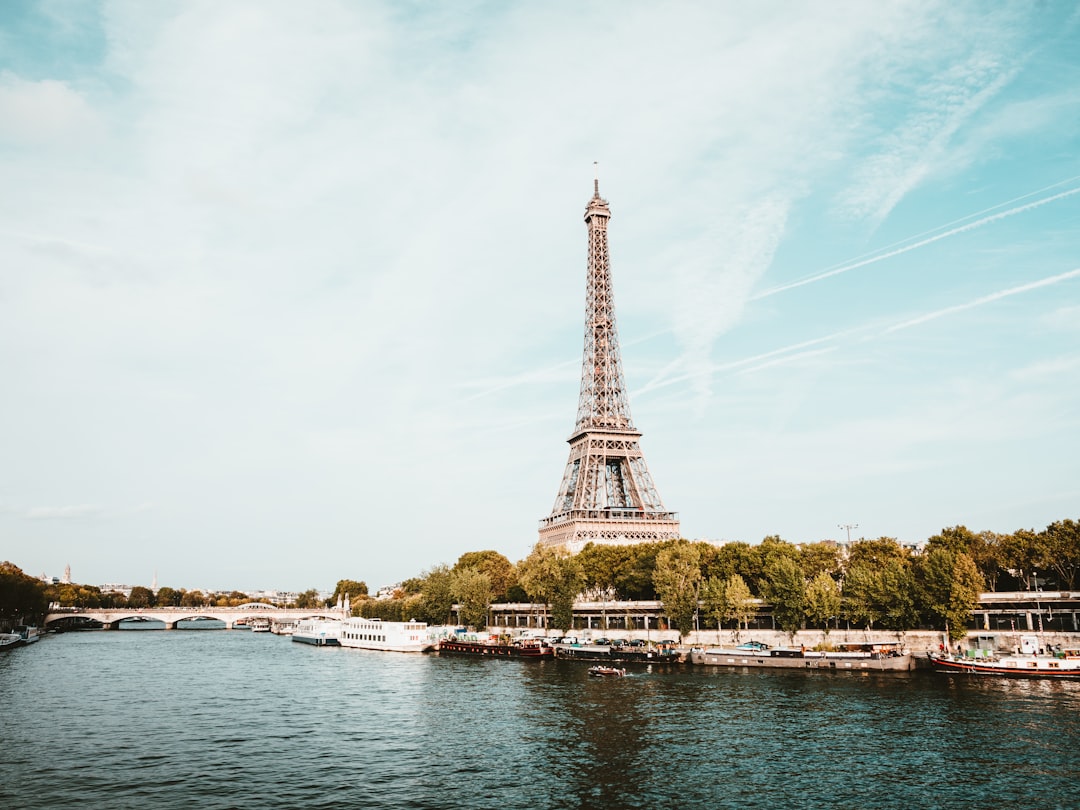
849	527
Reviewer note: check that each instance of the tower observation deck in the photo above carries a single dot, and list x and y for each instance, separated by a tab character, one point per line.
607	494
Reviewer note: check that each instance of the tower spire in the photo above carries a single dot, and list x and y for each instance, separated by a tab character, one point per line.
607	493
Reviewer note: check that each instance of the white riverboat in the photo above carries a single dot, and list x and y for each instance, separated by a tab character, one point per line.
259	625
319	632
1029	660
375	634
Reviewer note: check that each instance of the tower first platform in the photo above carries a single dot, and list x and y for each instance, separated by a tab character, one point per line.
607	494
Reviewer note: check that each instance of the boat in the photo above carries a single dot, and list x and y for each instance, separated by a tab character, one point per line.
496	647
19	637
375	634
612	654
1026	661
320	632
283	627
259	625
606	672
858	656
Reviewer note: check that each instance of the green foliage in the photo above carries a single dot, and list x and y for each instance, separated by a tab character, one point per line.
822	599
785	589
356	590
678	582
308	599
1061	541
22	598
554	577
141	597
168	597
436	599
948	587
473	590
498	569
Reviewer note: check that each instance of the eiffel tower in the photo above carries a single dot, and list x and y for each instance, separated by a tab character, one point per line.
607	495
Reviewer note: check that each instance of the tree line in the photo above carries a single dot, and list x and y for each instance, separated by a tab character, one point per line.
877	584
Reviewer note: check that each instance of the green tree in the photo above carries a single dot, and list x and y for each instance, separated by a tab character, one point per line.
356	590
474	592
678	583
308	599
193	599
785	590
896	598
822	599
552	576
436	595
817	558
140	597
168	597
949	584
1061	541
23	599
860	602
499	570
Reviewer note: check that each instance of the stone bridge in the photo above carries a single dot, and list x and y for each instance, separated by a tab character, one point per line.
110	618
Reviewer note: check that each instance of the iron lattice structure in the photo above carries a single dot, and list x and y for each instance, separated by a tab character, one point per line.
607	494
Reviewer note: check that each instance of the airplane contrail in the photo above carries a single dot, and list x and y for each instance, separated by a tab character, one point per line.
929	316
952	232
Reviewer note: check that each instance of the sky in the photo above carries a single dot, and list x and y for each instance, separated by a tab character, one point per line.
295	292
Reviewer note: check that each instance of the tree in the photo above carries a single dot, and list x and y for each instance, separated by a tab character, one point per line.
552	576
22	597
499	570
354	589
192	599
822	599
678	583
436	595
168	597
949	585
140	597
1061	540
860	603
474	592
897	596
785	590
308	599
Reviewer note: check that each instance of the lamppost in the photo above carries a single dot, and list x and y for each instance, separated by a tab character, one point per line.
848	527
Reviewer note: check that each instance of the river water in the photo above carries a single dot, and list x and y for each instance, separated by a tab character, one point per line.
231	719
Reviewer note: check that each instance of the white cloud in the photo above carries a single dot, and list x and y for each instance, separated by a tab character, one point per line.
45	113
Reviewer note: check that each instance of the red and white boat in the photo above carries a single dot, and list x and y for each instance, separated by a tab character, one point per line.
1026	662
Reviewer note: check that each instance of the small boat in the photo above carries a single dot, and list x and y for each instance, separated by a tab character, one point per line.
1026	662
607	672
319	632
9	641
259	625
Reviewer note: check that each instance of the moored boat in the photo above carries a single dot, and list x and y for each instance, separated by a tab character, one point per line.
610	654
259	625
496	647
868	656
19	637
375	634
1027	661
319	632
9	641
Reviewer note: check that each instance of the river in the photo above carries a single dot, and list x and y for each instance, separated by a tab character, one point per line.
232	719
